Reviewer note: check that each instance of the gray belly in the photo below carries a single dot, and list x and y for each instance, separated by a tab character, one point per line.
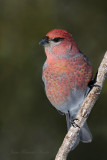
74	102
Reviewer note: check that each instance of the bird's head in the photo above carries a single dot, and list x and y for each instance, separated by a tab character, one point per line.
58	42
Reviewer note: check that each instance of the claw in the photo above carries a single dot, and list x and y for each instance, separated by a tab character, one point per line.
96	85
73	123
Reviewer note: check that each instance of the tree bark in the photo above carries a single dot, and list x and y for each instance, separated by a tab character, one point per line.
84	111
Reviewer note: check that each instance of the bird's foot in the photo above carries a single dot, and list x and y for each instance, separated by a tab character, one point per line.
92	84
73	123
96	85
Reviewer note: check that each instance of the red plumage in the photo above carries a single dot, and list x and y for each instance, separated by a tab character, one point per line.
66	74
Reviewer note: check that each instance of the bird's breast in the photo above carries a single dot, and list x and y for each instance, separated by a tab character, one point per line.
62	78
57	85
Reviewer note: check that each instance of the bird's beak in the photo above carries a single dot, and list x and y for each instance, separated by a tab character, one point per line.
44	41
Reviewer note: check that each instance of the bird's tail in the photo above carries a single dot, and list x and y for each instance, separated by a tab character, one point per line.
84	135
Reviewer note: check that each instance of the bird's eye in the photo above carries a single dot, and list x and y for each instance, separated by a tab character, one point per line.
57	39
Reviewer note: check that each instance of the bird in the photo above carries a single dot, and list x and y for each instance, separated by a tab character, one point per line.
66	74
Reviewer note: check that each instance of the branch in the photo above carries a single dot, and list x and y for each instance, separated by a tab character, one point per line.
84	111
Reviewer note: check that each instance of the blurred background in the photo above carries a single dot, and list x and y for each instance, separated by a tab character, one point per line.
30	128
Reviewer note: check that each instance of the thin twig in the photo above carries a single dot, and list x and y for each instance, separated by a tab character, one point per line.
84	111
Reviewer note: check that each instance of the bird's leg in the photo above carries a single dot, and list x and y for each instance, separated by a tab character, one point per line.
72	121
68	120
